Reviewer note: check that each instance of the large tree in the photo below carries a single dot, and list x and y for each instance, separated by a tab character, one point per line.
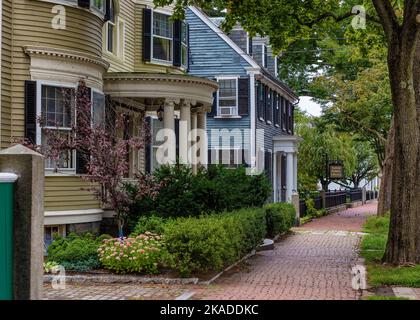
284	21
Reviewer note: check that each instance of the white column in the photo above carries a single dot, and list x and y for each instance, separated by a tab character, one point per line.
184	130
169	126
193	141
275	187
295	168
289	176
202	144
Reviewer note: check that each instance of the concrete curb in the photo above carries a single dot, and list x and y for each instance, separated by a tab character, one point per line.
110	279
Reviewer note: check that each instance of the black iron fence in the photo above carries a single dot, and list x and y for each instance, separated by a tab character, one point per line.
355	195
336	198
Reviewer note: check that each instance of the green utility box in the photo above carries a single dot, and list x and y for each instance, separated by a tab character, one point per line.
7	181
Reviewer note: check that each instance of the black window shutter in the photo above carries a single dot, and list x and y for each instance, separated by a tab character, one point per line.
243	96
292	120
188	44
288	117
147	35
83	3
250	45
30	111
107	16
148	148
213	111
177	43
177	137
82	156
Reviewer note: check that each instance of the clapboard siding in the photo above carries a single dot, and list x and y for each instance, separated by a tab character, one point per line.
6	74
210	54
64	193
211	57
32	26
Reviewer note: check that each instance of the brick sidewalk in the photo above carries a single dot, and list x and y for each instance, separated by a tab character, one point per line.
314	262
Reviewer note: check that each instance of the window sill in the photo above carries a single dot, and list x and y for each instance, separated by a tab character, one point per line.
227	117
162	63
50	173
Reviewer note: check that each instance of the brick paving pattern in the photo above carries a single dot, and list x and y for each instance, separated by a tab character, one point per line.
314	262
113	292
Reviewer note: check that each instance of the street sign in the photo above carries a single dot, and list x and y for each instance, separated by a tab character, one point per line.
336	170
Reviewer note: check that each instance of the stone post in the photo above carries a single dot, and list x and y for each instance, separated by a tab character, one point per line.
324	200
28	220
363	195
295	203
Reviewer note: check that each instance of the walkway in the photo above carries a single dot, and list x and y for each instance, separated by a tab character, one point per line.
312	263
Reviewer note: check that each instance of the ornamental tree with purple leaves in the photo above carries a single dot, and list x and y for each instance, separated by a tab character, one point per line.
103	147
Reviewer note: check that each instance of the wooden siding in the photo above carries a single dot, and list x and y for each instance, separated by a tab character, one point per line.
132	14
32	26
64	193
6	74
210	55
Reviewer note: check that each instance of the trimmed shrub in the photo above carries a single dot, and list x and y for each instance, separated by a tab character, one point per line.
213	241
144	253
189	195
280	217
152	224
76	253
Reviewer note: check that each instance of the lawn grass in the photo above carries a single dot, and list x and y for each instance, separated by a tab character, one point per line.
373	248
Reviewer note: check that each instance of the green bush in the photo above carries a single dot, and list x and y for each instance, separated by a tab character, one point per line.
280	217
214	190
213	241
144	253
152	224
76	253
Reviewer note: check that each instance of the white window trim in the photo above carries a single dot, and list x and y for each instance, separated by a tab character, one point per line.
186	45
39	112
236	78
121	37
106	37
159	61
264	52
276	69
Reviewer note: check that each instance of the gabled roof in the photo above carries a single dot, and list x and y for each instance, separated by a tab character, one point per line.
223	35
214	23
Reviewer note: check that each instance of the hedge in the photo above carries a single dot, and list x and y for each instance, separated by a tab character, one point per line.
213	241
280	217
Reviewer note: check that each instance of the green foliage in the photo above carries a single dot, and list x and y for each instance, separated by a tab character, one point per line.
152	224
50	266
144	253
384	298
213	241
76	253
280	217
373	248
216	189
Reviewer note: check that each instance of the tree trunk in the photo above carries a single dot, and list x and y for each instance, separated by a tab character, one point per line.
384	201
403	245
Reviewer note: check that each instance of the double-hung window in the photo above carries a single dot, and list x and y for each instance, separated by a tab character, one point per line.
98	108
162	37
227	97
98	5
57	113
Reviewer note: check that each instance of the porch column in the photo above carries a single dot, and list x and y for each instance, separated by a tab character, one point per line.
184	130
289	176
169	126
275	176
295	167
193	140
202	142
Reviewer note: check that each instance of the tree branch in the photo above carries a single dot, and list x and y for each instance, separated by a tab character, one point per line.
387	17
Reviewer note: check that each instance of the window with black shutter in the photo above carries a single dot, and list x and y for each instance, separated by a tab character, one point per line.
275	109
284	114
83	3
260	100
82	156
177	43
243	96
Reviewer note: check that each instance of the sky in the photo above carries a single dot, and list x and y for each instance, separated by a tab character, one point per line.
311	107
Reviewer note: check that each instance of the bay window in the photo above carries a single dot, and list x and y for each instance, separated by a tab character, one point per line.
162	37
227	97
